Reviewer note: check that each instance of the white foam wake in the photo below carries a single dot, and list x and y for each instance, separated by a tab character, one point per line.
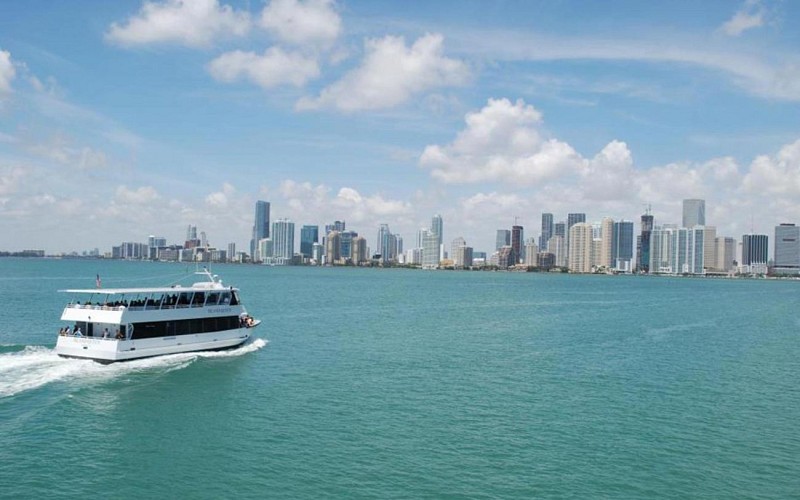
36	366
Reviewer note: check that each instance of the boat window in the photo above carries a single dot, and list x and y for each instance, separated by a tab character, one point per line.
234	299
183	299
183	327
212	299
198	299
226	298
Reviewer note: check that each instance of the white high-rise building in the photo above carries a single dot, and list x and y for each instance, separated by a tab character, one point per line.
580	248
531	251
282	241
661	248
430	250
265	249
709	247
437	227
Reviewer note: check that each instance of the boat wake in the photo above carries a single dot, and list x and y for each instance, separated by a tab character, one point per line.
31	367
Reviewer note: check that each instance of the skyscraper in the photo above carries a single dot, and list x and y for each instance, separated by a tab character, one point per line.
430	250
573	219
607	243
308	236
643	246
725	253
503	238
516	243
359	250
387	244
437	227
694	213
622	246
283	241
755	253
580	248
260	226
547	229
560	229
787	247
231	252
333	252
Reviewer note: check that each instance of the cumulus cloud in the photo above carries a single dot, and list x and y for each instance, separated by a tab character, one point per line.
220	199
275	67
750	16
10	178
390	74
302	22
7	72
776	175
501	142
193	23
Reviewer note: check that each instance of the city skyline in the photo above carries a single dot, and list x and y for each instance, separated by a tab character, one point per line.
162	114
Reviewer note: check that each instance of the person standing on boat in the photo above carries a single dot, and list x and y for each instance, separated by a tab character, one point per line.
78	332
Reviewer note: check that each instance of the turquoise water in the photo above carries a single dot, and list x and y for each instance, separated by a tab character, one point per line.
396	383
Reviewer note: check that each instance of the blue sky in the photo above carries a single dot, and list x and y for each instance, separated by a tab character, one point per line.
123	119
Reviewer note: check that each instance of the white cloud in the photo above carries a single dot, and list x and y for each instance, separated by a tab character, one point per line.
750	16
501	142
61	150
302	22
772	75
776	176
390	74
140	196
275	67
10	178
194	23
7	72
220	199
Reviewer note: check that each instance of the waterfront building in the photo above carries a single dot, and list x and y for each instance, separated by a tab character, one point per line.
560	229
643	243
622	246
725	254
462	254
516	243
346	244
437	227
694	213
430	250
283	242
333	250
338	225
503	238
153	244
754	253
260	227
547	229
506	257
414	256
709	247
317	253
265	249
545	261
387	244
360	253
231	252
787	249
607	243
579	248
308	236
660	249
558	247
531	253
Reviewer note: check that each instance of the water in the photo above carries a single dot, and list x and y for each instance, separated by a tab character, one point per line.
395	383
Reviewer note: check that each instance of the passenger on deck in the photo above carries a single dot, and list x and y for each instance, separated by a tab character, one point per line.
66	331
78	332
105	333
119	335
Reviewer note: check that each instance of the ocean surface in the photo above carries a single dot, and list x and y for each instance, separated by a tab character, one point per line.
369	383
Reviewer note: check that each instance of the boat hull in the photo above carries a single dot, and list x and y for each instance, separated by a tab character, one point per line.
110	350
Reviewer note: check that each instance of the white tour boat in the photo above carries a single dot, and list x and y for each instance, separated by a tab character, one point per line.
119	324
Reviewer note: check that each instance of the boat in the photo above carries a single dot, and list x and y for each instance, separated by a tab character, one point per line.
120	324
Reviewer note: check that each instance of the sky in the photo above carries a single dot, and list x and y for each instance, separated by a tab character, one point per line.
123	119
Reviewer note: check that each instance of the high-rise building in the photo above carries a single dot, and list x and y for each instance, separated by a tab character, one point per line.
438	227
260	226
462	254
694	213
503	238
333	251
643	244
387	244
359	253
755	253
231	252
560	229
317	252
531	253
505	257
266	250
547	229
516	243
558	248
580	248
622	246
607	243
346	245
660	243
338	225
308	236
688	250
787	248
725	254
709	246
430	250
283	241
